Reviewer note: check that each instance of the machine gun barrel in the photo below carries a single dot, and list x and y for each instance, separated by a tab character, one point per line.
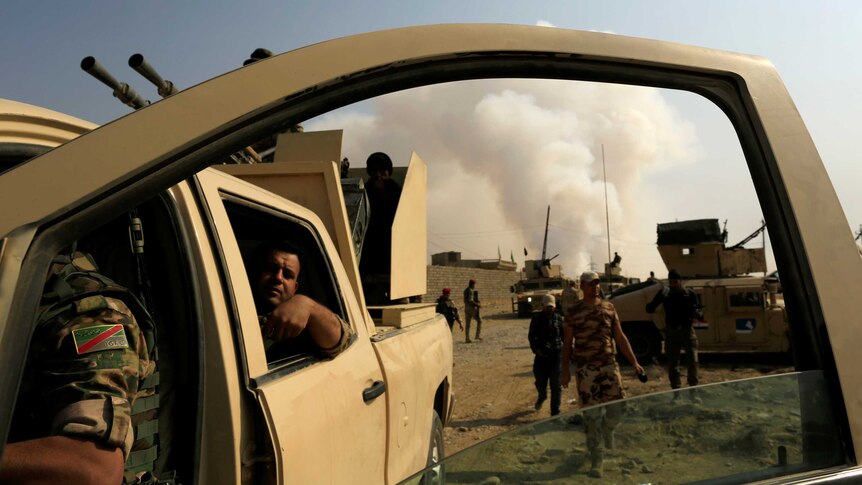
122	91
139	64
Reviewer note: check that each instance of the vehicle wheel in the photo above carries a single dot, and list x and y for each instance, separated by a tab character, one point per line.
524	310
645	342
435	472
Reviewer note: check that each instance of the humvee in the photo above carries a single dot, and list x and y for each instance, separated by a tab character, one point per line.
528	293
742	313
540	278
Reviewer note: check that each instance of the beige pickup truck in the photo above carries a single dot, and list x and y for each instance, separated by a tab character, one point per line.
230	412
232	424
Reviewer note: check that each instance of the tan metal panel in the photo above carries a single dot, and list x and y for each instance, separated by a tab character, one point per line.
223	426
314	146
409	399
28	124
410	234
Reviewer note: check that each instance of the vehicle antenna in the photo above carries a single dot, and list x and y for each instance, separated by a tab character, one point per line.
607	216
545	242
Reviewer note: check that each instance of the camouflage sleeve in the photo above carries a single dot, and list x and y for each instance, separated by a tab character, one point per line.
90	360
347	335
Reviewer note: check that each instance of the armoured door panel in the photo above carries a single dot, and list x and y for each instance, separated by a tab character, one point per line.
706	330
742	324
306	401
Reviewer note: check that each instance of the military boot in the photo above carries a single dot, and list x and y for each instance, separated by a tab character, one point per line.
597	462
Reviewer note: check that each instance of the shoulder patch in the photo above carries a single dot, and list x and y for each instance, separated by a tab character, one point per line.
100	337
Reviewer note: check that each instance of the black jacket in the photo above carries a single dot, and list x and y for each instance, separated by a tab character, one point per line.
680	306
546	334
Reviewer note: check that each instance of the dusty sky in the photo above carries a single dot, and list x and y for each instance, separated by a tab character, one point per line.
665	152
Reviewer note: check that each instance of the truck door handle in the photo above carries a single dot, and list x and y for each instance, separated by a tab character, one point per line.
376	389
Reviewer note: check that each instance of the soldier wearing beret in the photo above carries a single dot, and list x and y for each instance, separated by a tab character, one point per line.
447	308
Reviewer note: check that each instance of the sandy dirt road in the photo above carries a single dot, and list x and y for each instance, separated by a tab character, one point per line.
493	381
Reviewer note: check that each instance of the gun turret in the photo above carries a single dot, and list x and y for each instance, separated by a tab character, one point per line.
142	67
122	91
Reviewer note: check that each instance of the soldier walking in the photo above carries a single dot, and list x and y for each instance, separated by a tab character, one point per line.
546	342
680	309
471	310
593	326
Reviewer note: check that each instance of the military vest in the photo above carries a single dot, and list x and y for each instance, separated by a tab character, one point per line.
76	279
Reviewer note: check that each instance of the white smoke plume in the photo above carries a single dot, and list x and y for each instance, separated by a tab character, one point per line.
500	151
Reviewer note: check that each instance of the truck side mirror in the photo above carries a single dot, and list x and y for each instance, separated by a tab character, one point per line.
512	289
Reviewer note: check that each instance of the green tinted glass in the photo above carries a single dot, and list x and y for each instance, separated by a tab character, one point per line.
732	432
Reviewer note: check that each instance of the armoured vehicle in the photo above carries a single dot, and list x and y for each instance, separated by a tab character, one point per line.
742	313
613	280
540	278
801	426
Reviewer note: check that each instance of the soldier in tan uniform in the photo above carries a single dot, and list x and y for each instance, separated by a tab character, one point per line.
591	328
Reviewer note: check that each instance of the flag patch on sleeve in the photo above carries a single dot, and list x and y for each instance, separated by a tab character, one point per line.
100	337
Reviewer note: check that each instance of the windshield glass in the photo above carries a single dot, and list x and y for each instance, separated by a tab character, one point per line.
741	431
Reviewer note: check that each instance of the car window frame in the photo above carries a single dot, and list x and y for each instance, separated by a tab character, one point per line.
290	364
812	346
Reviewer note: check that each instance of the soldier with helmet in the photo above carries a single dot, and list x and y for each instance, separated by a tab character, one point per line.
591	329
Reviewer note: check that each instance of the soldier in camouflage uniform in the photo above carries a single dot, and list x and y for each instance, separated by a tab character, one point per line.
86	368
593	326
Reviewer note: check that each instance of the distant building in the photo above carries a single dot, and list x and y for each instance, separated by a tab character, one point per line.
453	258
